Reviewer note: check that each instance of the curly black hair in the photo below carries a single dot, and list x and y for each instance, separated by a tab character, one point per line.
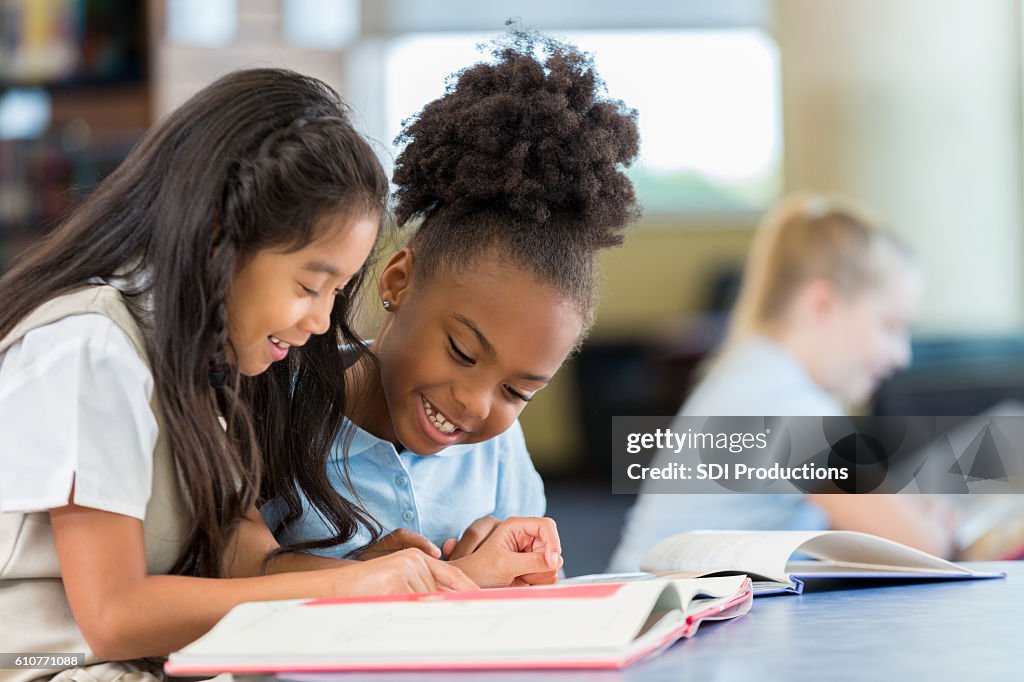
522	157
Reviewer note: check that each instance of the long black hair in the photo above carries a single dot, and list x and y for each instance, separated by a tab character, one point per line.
252	161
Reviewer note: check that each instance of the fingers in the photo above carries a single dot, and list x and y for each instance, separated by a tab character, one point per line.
447	547
398	540
449	577
537	533
412	540
520	564
474	536
545	578
419	578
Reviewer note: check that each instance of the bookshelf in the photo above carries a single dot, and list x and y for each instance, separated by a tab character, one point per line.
74	98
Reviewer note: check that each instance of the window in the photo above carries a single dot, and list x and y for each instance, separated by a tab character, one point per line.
708	102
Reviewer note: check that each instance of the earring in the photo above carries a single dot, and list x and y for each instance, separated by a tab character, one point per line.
386	303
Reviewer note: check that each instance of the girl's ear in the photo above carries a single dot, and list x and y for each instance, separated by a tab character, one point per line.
821	298
395	279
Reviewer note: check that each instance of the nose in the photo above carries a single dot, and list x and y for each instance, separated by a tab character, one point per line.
318	318
474	402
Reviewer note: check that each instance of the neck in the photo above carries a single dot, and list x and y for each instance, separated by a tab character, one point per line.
368	406
800	345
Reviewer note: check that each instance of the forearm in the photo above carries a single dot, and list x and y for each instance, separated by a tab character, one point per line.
890	516
160	614
253	543
291	562
124	612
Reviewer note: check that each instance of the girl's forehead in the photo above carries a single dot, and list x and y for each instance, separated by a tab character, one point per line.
508	308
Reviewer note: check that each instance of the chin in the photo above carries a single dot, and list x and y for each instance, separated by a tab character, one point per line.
424	448
251	369
860	398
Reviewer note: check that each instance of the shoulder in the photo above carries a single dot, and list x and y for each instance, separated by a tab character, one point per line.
92	342
759	378
86	327
76	397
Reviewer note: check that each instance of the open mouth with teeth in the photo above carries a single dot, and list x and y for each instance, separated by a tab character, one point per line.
438	420
279	343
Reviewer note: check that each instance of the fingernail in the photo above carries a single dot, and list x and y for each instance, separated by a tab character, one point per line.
554	559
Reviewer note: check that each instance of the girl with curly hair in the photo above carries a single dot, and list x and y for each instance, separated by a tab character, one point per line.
515	178
163	352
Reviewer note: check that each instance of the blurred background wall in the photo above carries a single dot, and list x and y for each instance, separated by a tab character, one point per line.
913	108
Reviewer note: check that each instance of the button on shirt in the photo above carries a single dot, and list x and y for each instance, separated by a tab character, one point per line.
437	496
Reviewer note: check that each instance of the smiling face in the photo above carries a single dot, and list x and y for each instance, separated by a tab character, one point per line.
278	299
462	353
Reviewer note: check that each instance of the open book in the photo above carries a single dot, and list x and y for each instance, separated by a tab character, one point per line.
558	626
768	557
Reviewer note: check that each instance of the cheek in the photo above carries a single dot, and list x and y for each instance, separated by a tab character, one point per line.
501	418
415	359
239	316
403	369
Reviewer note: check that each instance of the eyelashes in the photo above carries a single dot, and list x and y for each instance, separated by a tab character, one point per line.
459	355
313	293
517	395
463	359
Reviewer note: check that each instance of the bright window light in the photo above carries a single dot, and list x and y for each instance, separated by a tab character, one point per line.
24	113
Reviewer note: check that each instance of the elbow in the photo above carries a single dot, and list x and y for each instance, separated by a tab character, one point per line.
108	647
110	638
105	651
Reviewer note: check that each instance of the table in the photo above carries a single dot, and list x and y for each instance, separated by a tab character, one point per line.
866	630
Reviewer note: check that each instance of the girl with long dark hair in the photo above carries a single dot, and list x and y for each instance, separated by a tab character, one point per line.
169	355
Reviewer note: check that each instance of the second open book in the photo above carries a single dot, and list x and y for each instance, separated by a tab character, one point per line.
780	561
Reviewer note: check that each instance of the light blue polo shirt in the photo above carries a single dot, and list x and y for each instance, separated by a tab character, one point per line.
437	496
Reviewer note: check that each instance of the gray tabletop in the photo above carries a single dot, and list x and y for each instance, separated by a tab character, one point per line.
874	630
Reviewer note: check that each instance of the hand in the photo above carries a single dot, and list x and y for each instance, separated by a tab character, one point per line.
471	539
519	551
402	572
398	540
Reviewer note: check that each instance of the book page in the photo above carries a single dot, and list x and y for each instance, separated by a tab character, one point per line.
759	554
767	554
860	549
430	628
691	590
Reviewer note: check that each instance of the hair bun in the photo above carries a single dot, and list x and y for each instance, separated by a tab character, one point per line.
535	140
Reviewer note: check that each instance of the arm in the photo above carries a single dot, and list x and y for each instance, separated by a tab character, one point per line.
125	613
913	520
253	542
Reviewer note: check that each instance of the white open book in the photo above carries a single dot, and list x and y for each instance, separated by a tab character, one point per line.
559	626
767	557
